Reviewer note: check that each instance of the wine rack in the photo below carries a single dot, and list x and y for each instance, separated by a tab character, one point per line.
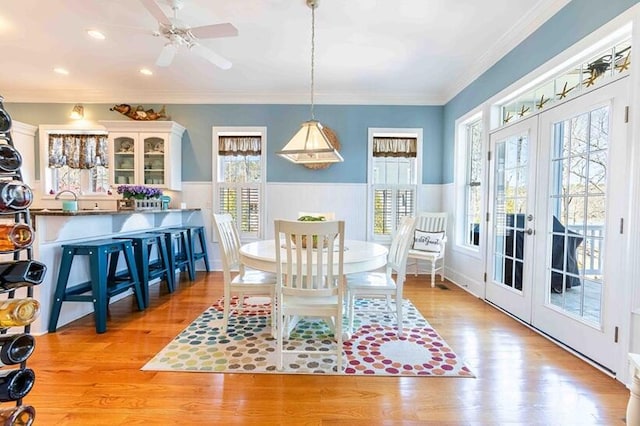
17	278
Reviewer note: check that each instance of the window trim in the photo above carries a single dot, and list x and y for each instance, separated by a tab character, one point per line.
44	130
391	132
216	132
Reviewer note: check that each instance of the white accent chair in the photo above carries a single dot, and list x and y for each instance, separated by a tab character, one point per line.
310	281
383	284
245	282
431	222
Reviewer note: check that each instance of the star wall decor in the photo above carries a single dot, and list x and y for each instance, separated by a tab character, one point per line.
625	64
591	80
565	91
542	101
523	111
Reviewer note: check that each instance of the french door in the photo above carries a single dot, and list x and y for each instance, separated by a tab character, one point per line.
510	245
557	195
581	197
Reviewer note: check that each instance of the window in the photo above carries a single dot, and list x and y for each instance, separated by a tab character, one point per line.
600	67
469	178
239	176
473	182
76	161
393	178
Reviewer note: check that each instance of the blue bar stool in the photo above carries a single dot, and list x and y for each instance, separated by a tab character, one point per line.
105	281
197	234
160	267
179	250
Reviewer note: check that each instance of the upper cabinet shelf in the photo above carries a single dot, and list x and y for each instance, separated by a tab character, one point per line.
145	153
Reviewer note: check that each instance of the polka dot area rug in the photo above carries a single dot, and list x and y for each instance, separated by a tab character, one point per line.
248	346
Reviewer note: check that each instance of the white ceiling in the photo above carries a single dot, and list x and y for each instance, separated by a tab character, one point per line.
367	51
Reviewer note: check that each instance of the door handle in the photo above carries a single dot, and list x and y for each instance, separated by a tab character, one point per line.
529	231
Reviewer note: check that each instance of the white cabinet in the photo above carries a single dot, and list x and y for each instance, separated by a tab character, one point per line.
145	153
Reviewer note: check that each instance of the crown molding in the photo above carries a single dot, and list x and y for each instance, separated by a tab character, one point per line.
200	97
520	30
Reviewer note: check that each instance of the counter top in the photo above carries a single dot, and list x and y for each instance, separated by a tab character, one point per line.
95	212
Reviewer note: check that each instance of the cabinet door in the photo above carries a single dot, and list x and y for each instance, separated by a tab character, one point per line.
154	148
125	149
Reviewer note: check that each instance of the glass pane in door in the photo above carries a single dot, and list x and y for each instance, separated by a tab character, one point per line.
577	201
154	161
124	159
509	210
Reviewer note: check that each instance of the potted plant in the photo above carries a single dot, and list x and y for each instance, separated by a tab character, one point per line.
315	237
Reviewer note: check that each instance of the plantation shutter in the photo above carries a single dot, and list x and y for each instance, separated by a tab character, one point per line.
391	206
250	208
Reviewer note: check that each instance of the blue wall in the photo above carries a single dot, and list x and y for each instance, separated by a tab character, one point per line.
572	23
350	123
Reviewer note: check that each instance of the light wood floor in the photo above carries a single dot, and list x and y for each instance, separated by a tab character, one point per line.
84	378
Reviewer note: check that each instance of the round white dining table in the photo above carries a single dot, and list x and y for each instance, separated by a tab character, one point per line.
359	256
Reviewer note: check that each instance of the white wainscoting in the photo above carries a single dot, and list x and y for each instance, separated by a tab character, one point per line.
347	201
463	267
284	200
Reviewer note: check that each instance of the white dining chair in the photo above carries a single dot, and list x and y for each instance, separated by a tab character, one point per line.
432	229
376	285
238	280
310	281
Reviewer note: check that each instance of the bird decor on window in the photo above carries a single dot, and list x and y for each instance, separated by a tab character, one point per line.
139	113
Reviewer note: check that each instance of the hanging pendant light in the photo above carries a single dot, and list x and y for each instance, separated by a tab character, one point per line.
311	144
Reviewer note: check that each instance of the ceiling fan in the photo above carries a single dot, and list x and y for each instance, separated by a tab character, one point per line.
178	34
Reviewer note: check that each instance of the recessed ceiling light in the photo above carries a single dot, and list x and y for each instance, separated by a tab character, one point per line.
146	71
62	71
96	34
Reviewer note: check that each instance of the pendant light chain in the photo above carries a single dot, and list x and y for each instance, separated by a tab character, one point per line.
313	48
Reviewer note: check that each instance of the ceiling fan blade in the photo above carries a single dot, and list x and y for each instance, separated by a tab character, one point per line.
211	56
166	56
155	10
215	31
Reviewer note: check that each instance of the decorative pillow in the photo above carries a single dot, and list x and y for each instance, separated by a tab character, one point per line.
427	241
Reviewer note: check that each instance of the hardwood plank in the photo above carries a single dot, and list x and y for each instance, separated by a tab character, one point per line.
84	378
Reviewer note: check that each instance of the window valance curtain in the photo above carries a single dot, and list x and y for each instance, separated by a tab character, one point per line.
395	147
78	151
239	145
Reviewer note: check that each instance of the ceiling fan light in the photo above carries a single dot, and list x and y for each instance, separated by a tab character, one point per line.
96	34
310	145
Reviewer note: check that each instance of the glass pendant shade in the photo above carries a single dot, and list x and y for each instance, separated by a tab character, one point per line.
310	145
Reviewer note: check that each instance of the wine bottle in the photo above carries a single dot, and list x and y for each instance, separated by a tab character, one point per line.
22	415
14	195
19	273
10	158
16	348
15	236
5	118
18	312
15	384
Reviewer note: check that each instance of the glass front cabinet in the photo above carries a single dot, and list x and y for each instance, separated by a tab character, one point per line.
145	153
